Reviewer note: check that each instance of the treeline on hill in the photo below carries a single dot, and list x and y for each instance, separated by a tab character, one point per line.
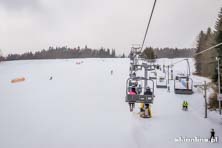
63	53
152	53
2	58
206	62
174	52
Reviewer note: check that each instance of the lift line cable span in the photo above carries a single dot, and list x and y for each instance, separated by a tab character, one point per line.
148	25
188	65
212	47
207	49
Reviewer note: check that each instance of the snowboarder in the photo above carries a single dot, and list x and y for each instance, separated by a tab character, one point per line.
111	72
212	134
145	111
50	78
141	107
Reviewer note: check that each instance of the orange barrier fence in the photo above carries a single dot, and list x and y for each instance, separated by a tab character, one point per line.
16	80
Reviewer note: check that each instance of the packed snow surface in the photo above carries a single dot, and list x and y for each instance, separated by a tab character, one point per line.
83	106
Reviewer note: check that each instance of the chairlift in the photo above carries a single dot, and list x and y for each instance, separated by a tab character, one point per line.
137	97
183	85
137	67
132	74
161	82
153	75
148	67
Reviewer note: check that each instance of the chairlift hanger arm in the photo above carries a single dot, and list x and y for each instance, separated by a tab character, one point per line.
188	65
177	62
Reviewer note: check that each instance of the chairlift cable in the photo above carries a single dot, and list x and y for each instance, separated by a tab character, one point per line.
148	25
207	49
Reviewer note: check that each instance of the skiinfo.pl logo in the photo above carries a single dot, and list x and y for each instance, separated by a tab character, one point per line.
197	139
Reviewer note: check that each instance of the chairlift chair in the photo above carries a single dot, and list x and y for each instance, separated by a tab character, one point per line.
148	67
153	76
183	85
132	74
139	98
137	67
161	82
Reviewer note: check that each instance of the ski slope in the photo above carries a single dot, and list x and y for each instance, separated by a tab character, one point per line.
84	106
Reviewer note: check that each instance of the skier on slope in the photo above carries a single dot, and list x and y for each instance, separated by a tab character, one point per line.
185	105
212	134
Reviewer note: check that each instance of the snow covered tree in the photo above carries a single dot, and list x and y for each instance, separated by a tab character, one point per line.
148	53
208	58
123	56
198	58
113	53
218	39
1	56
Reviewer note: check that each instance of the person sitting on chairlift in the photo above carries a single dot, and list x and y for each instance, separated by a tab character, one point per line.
136	83
134	74
147	107
142	108
132	92
148	91
139	89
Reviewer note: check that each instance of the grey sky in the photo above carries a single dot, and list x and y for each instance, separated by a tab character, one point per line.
30	25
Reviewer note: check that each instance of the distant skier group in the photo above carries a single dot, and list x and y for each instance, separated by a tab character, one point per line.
185	105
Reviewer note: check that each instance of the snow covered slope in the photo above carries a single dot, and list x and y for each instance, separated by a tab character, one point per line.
83	106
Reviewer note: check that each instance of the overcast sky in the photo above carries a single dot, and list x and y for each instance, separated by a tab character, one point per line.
30	25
